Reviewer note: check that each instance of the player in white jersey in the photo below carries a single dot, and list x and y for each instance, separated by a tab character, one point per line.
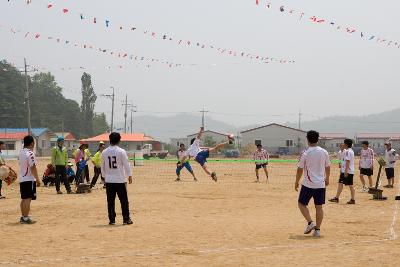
261	158
201	155
115	167
346	173
390	159
180	154
28	178
315	164
366	165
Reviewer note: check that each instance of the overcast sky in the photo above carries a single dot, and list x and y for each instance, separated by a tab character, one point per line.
335	73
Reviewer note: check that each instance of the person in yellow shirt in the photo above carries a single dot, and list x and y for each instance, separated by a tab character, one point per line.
96	159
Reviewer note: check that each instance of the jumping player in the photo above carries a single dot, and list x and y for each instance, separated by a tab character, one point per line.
200	155
115	165
366	165
261	157
181	153
347	173
315	164
390	158
28	179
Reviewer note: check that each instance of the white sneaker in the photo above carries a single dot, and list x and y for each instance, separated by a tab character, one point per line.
309	228
317	233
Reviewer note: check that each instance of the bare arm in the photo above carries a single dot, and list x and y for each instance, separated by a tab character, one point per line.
346	172
200	134
298	176
328	174
35	174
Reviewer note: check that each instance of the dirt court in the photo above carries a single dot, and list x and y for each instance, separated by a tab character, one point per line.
234	222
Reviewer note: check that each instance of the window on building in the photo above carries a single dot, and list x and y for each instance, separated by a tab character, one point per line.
257	142
289	143
10	145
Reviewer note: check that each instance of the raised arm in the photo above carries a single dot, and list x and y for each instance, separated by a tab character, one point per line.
200	134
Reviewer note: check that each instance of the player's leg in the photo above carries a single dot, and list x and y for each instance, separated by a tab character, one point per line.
111	194
362	180
339	189
370	181
87	173
217	147
97	173
64	179
1	184
304	198
257	174
206	169
319	211
189	168
123	199
265	171
25	207
58	179
179	168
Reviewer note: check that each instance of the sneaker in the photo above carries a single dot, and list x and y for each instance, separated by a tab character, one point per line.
351	202
195	179
257	181
128	222
59	192
177	179
26	221
214	176
317	233
309	228
2	197
111	223
334	200
386	186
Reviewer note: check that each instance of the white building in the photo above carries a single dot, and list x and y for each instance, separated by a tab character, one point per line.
377	140
276	138
331	141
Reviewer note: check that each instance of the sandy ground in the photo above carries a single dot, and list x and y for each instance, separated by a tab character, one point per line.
234	222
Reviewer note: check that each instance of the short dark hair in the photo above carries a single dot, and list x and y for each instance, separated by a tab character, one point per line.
1	143
348	142
312	137
192	141
365	143
259	145
181	145
115	138
28	140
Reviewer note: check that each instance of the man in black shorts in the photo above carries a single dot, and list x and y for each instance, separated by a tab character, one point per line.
346	173
315	164
366	165
28	178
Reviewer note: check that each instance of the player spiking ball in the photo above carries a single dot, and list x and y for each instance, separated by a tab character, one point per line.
201	155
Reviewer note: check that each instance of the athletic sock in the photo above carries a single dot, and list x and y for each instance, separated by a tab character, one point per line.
317	229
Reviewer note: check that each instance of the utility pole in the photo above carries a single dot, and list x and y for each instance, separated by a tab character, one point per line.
133	109
27	98
300	114
112	97
126	111
203	116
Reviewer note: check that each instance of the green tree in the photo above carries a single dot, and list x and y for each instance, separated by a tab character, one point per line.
87	106
100	124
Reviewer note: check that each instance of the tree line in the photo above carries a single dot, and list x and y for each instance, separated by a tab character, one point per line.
49	108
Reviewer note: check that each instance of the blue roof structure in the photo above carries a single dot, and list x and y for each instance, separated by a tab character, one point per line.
35	131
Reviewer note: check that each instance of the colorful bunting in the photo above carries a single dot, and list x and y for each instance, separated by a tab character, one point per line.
65	10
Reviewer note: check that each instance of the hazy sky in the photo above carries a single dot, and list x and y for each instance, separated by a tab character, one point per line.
335	73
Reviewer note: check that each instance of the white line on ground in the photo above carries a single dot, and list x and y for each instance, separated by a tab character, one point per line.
392	232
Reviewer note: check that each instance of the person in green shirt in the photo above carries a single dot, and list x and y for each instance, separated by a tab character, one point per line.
96	159
59	159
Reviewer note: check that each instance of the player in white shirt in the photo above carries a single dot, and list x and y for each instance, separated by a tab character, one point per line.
115	167
390	159
346	173
181	153
315	164
366	165
28	178
201	155
261	158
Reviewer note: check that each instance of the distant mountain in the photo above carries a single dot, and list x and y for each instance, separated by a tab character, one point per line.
388	122
180	125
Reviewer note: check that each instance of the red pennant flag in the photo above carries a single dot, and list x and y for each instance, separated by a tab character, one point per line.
65	10
94	20
257	2
49	6
37	36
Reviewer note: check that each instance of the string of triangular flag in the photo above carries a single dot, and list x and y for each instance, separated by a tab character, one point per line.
302	16
109	24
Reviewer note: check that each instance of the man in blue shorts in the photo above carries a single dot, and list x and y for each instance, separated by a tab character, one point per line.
201	155
181	153
315	164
